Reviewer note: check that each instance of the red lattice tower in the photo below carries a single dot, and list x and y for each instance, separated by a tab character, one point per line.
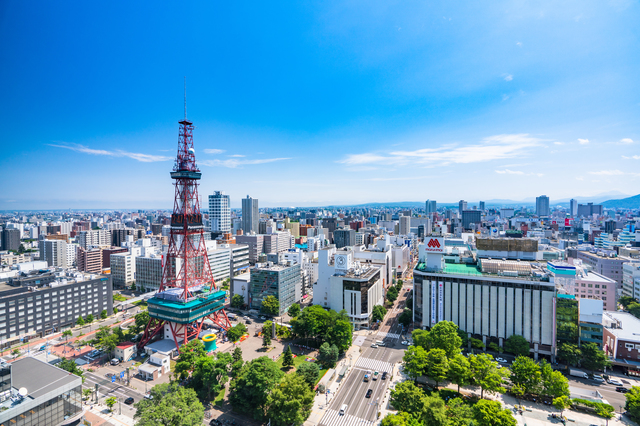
186	270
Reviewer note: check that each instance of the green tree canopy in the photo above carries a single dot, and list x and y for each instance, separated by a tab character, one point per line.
254	382
392	294
444	335
236	332
487	373
266	340
407	397
406	317
328	355
287	360
378	313
294	310
633	402
491	413
189	355
415	361
210	374
237	354
270	305
625	301
420	338
290	401
517	345
562	403
525	372
569	354
104	314
89	319
80	321
459	413
554	383
310	372
437	365
593	358
434	411
401	419
170	405
459	371
71	366
237	301
111	401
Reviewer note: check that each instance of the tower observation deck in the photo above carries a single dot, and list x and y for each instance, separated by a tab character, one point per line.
188	293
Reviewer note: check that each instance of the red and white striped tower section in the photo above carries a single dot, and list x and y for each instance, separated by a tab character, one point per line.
188	294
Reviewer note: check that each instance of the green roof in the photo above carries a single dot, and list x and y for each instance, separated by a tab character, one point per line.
178	305
461	268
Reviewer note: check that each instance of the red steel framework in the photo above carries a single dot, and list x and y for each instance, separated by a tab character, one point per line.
186	265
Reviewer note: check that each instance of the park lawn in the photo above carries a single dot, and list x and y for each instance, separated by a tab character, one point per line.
220	398
296	361
321	375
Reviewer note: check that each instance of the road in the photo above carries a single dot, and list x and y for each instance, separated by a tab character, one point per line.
360	410
608	392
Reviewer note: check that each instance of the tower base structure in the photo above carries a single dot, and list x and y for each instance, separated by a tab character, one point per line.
172	318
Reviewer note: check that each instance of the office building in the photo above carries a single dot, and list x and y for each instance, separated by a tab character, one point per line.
284	282
94	238
630	280
219	260
148	272
53	396
491	300
462	206
590	322
107	252
43	303
219	213
471	217
586	210
255	243
430	207
239	258
607	264
10	239
250	215
405	225
573	208
278	242
54	252
345	237
89	260
622	341
123	269
542	205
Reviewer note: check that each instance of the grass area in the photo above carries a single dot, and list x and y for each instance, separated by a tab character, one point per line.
220	398
321	375
296	361
172	364
140	303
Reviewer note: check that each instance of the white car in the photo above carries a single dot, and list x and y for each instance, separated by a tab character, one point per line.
501	360
374	346
615	382
598	378
406	343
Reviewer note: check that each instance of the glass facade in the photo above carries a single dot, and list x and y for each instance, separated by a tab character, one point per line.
51	412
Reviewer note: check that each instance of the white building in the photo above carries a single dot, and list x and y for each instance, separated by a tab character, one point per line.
87	239
123	269
405	225
219	260
631	279
54	252
219	213
149	272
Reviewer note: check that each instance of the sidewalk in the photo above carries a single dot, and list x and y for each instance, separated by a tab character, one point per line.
115	419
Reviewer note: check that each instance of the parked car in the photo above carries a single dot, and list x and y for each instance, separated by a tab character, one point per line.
621	389
115	361
501	359
615	381
598	378
129	400
369	392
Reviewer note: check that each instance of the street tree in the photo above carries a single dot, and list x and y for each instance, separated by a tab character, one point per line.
437	365
554	383
593	358
459	413
525	372
237	301
392	294
569	354
80	321
110	402
491	413
270	305
266	340
625	301
71	366
66	334
89	319
378	313
407	397
287	360
406	317
633	402
459	371
104	314
415	362
310	372
237	354
401	419
517	345
328	355
434	411
562	403
290	402
420	337
249	390
170	405
444	335
487	373
294	310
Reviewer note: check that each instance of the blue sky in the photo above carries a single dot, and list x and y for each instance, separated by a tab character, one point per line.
315	103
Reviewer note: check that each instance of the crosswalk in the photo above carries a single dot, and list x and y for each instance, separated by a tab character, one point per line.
385	335
373	365
333	418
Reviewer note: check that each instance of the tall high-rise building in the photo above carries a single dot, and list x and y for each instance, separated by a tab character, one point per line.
462	206
54	252
573	208
481	206
542	205
219	213
344	237
10	239
405	225
250	215
430	206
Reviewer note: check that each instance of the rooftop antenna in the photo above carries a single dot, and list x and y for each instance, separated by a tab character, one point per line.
185	98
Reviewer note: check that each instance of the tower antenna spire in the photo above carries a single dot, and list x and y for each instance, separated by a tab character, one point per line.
185	97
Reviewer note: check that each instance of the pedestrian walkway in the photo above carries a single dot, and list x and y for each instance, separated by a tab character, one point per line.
373	364
333	418
384	334
112	417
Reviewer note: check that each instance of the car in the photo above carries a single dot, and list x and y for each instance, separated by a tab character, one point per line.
598	378
384	375
501	360
615	382
148	396
405	343
375	375
115	361
129	400
621	389
369	392
374	345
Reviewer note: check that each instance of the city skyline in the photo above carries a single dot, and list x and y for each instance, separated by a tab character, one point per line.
402	103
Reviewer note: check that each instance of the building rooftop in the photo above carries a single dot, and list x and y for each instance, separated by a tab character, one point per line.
39	377
507	269
627	326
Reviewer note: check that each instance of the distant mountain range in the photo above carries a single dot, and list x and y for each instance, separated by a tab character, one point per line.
605	199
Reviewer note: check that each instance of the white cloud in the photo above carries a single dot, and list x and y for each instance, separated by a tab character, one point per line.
626	141
583	141
510	172
519	44
496	147
144	158
505	97
213	151
558	143
607	173
508	77
633	157
237	155
233	163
